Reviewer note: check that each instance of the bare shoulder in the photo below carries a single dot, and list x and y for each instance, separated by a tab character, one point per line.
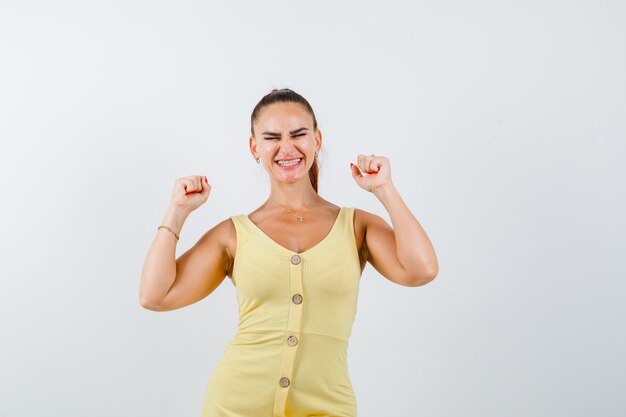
362	221
223	232
223	235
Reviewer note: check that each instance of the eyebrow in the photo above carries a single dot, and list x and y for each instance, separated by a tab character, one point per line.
278	134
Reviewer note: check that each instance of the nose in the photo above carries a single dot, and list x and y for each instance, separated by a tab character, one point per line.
287	143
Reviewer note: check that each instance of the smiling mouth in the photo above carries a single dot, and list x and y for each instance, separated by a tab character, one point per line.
289	163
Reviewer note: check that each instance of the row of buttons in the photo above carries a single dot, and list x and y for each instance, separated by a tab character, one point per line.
297	298
292	340
284	381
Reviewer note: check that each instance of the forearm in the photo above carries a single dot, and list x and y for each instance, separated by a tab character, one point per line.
413	247
159	268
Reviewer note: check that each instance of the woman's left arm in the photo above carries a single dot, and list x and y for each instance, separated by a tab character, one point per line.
404	253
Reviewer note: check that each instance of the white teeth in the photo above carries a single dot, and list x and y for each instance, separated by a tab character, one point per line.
291	162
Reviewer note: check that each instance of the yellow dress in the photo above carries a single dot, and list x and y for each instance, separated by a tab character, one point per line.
296	310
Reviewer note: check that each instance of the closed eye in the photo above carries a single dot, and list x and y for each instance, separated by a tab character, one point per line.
277	137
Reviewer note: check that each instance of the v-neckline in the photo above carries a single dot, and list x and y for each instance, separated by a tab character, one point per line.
324	239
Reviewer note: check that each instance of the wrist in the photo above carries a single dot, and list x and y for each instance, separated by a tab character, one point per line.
383	191
174	218
177	211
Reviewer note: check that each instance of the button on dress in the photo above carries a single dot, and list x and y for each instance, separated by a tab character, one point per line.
296	310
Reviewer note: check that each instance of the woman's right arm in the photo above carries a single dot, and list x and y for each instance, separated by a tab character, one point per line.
167	283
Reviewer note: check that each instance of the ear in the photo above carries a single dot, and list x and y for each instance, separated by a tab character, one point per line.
318	138
253	146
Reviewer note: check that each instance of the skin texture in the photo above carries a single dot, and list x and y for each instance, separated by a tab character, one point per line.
403	254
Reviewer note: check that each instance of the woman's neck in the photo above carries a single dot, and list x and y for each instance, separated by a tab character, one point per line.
293	196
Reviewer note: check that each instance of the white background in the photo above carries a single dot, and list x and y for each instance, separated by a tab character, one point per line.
505	126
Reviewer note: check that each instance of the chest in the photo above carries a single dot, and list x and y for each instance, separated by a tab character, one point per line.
296	236
300	237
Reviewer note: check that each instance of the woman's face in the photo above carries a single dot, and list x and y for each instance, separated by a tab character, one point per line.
284	132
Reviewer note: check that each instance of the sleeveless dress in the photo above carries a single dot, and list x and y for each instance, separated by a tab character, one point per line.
296	310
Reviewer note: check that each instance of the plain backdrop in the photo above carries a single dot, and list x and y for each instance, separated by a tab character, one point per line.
505	125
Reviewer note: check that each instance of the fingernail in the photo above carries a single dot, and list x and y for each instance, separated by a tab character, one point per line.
350	165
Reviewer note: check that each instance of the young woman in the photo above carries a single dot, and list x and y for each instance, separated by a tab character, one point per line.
295	261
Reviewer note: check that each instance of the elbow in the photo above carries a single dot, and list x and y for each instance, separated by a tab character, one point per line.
150	304
424	277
